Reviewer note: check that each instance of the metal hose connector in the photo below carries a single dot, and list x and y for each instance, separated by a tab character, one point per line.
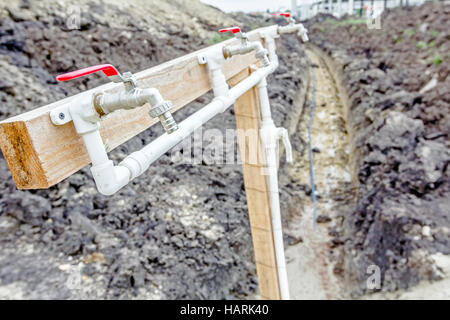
168	122
161	111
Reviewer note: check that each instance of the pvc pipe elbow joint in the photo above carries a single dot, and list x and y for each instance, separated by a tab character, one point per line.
284	135
270	136
84	116
303	33
304	37
109	178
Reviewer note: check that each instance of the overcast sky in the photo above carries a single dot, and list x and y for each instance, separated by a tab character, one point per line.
250	5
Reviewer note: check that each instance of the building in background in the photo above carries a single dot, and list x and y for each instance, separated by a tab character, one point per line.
250	5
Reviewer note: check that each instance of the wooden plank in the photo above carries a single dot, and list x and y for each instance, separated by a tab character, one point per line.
40	154
247	114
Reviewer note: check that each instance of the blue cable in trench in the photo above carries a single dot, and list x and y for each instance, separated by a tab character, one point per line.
311	163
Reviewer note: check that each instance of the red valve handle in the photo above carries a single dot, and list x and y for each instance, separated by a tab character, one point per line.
108	69
232	29
285	14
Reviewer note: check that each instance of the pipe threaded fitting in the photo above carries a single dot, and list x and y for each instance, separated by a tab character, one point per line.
160	108
262	56
161	111
265	62
226	52
168	122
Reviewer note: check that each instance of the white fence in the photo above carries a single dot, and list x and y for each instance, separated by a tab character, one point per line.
352	7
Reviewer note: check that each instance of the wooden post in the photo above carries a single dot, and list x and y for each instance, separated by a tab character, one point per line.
248	118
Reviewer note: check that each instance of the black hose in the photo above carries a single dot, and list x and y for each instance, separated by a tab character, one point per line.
311	162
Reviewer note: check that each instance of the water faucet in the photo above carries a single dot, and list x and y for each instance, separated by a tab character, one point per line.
292	27
288	16
245	47
133	97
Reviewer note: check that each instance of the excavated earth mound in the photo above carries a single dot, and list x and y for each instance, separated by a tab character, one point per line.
397	79
179	231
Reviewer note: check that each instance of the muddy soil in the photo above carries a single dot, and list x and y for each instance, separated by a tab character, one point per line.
397	80
181	230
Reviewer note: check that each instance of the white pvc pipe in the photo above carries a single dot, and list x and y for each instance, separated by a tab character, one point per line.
110	178
92	141
139	161
251	81
269	140
154	150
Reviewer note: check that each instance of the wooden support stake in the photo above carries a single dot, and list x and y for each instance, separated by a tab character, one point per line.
248	122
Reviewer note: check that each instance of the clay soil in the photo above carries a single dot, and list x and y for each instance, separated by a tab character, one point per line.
398	89
181	230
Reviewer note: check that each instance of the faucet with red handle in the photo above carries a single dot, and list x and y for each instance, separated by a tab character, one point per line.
288	16
245	47
236	32
292	27
133	97
86	112
108	69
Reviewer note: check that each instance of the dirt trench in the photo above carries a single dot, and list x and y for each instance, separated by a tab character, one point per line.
314	263
401	218
315	254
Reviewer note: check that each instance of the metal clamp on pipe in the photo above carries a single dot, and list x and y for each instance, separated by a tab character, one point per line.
293	27
245	46
87	112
